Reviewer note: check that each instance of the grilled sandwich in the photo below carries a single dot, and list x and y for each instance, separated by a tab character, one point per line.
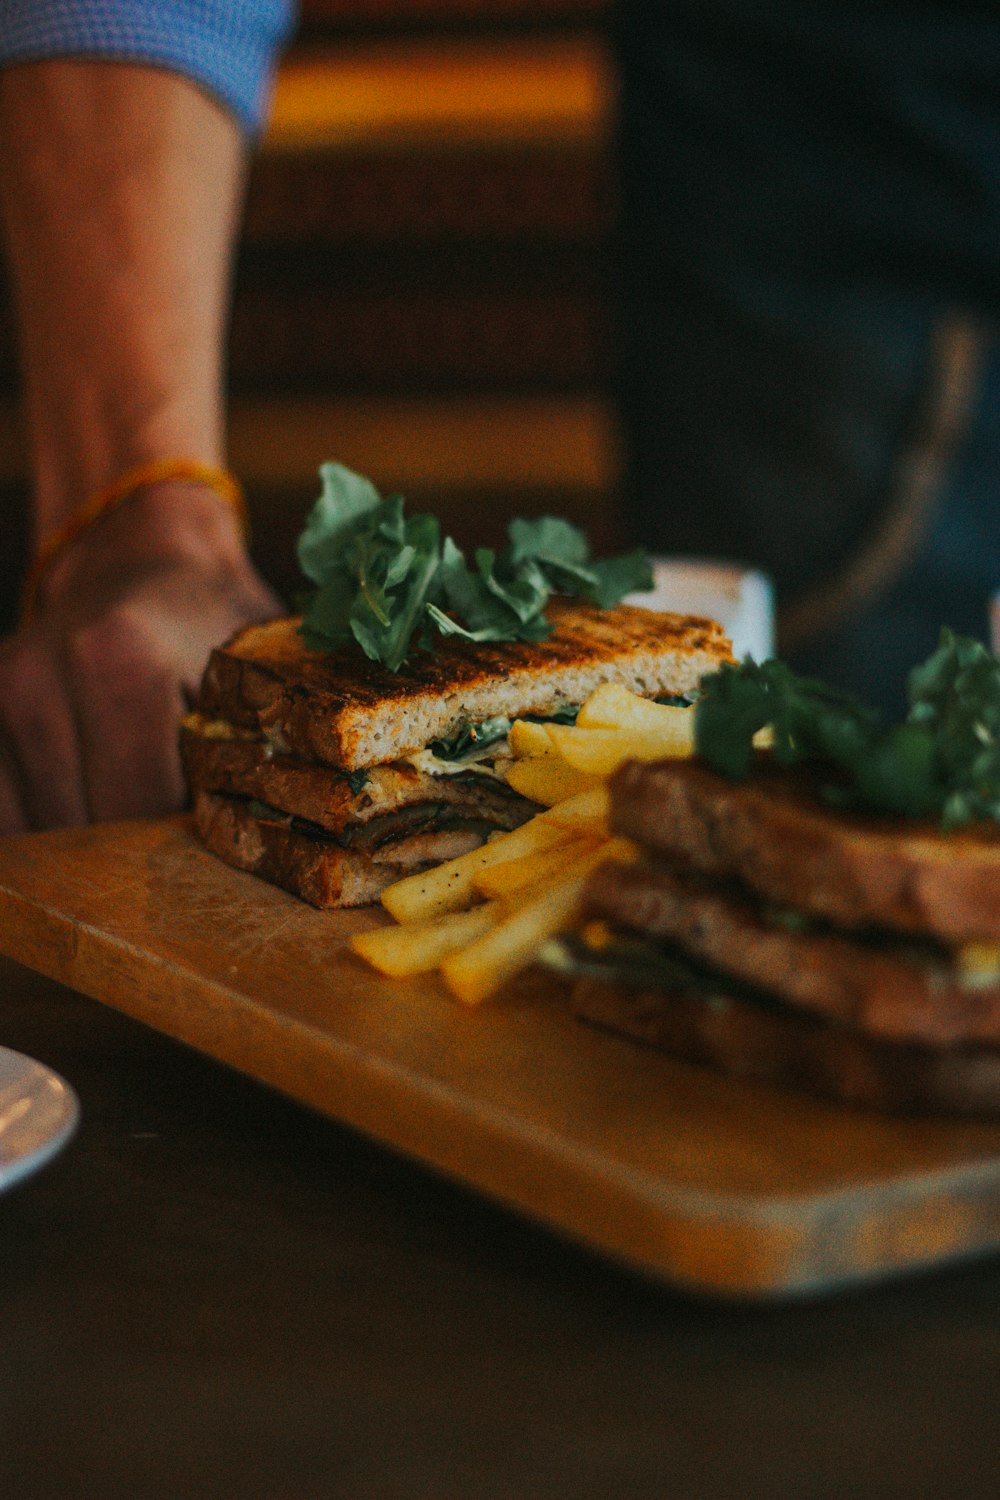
333	777
778	938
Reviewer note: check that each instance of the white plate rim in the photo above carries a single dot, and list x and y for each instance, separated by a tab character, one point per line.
39	1113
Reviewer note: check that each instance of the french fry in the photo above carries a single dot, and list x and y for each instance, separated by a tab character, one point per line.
587	812
608	707
516	875
612	706
417	947
527	739
448	887
599	752
475	972
547	779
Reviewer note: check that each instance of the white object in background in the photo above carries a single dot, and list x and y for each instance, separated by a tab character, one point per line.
995	621
38	1114
741	599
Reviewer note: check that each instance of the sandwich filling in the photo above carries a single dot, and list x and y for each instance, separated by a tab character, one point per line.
772	936
657	927
338	837
333	776
367	811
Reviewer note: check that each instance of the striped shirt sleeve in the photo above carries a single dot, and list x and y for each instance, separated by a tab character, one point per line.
228	47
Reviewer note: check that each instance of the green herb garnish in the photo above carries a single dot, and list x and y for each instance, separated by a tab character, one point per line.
388	581
568	714
473	738
942	761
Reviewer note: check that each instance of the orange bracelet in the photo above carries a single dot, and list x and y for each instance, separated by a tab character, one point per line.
189	470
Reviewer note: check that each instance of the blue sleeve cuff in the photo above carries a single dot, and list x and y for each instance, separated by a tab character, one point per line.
230	47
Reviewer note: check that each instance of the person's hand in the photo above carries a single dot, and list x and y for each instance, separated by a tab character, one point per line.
92	688
123	362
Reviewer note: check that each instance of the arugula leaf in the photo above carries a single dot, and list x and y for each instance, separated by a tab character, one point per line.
472	737
561	552
476	607
263	810
955	697
326	617
942	761
614	577
345	503
556	550
489	731
550	539
806	717
391	596
389	583
568	714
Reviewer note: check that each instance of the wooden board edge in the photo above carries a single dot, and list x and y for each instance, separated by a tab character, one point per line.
698	1245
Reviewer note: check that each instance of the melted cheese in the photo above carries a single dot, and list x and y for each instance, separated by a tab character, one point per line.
272	739
482	762
274	743
217	729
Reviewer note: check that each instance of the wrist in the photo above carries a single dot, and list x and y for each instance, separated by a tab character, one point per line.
164	525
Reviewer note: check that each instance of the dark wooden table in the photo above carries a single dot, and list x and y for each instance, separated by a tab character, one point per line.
213	1292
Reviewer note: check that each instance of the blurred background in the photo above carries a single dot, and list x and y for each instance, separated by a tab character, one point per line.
418	291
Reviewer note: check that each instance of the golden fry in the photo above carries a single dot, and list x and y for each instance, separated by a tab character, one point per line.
547	779
417	947
517	874
527	739
475	972
599	752
448	887
612	706
587	812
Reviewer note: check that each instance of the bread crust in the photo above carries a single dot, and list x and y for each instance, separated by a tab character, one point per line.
903	991
244	767
318	871
345	711
792	1049
773	834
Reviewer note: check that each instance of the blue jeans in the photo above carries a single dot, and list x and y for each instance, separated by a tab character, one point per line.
808	261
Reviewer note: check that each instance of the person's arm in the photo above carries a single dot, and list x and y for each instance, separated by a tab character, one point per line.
120	194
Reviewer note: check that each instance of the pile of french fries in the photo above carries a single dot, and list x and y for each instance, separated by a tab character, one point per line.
483	918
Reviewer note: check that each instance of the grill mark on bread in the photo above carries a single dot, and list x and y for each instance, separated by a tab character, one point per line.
277	722
774	835
339	708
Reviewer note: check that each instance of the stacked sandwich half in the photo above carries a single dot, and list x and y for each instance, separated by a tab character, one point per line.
332	776
777	937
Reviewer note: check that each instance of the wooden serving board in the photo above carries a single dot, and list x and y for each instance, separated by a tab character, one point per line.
728	1188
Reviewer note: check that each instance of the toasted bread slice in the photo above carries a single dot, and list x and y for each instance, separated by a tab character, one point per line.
908	990
774	835
348	712
244	768
318	870
776	1045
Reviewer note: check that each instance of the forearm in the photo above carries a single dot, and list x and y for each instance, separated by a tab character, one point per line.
120	195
